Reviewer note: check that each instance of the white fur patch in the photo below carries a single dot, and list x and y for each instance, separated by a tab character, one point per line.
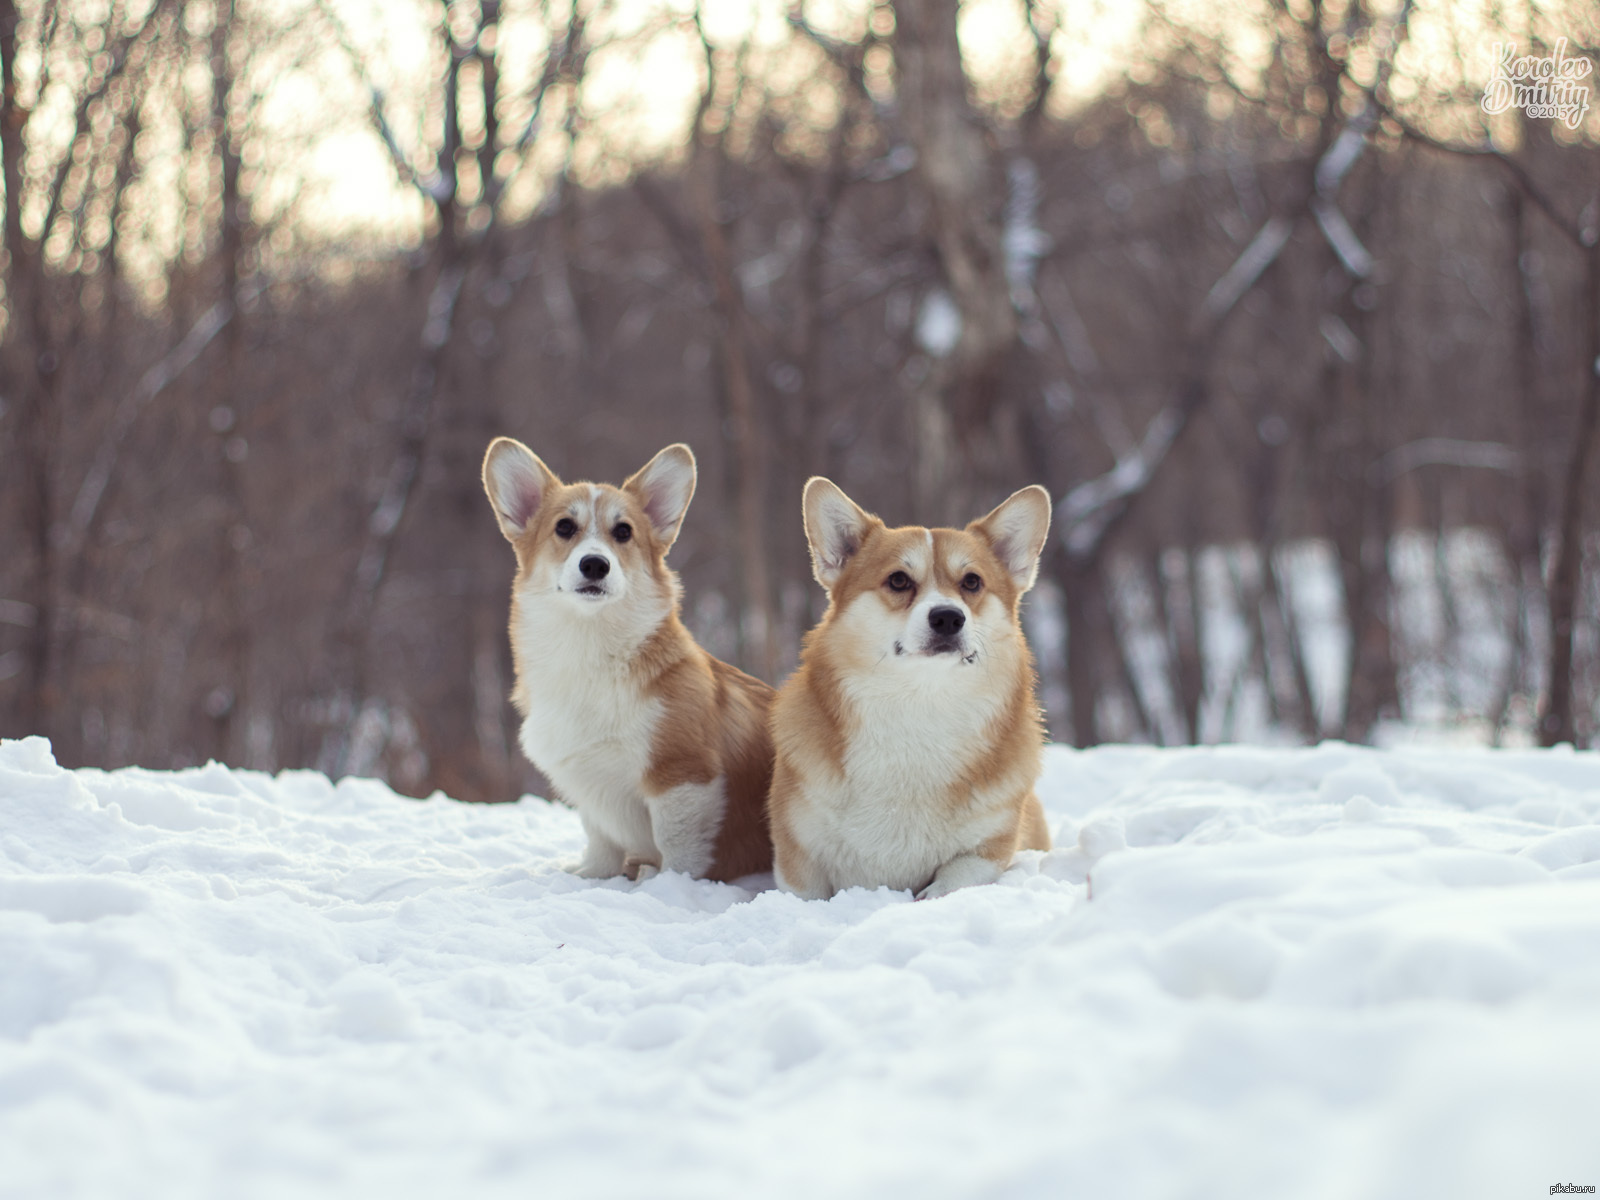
685	820
588	726
889	821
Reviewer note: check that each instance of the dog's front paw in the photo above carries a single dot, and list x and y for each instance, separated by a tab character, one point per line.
638	868
591	869
963	871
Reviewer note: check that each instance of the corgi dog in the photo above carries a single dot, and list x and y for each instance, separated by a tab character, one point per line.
909	740
663	750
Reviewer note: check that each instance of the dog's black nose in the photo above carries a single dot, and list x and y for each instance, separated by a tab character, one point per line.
594	566
947	622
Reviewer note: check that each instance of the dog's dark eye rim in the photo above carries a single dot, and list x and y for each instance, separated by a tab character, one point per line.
622	531
971	581
899	582
566	527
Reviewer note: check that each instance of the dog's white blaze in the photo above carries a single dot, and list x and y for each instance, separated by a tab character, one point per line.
571	577
920	559
606	521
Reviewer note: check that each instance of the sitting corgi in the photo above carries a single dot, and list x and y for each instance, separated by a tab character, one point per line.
663	750
909	740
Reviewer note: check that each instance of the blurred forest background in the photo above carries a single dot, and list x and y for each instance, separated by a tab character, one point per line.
1302	340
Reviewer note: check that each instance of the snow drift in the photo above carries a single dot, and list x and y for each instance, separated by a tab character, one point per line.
1324	973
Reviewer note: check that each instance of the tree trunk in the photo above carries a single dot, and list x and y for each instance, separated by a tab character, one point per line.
227	702
758	633
1558	723
28	382
1095	659
953	408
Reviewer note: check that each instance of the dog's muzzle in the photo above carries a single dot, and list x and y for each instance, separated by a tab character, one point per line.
594	568
945	624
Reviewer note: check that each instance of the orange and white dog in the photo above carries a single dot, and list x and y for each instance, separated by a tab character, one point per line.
909	740
662	750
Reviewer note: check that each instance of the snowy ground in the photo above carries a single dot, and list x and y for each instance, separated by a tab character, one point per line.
1326	973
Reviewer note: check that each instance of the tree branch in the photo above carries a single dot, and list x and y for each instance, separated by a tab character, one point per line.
1581	236
74	532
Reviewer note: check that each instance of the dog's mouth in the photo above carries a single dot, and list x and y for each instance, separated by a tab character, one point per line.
593	591
938	647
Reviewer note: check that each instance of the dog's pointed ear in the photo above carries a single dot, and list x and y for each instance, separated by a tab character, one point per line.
1016	532
517	484
835	527
665	485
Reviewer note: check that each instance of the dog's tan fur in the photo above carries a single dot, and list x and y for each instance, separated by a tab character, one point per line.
898	769
657	744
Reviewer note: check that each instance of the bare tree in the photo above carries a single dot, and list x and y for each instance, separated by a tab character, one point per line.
954	404
47	318
464	182
1557	720
714	217
1234	322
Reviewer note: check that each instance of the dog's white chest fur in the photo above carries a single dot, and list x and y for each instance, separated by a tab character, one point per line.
896	816
588	727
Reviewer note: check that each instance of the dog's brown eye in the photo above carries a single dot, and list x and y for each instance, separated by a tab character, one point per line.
566	527
622	532
970	582
899	582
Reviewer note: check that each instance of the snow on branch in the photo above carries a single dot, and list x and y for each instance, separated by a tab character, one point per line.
1581	233
385	518
1021	239
1238	279
1357	259
434	185
1444	452
1089	510
1333	166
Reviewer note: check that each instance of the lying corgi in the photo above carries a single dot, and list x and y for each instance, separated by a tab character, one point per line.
663	750
909	740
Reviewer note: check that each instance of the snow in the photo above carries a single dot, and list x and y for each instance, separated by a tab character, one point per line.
939	324
1468	634
1331	972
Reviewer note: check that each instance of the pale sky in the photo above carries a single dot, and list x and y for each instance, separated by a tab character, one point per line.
318	174
640	94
